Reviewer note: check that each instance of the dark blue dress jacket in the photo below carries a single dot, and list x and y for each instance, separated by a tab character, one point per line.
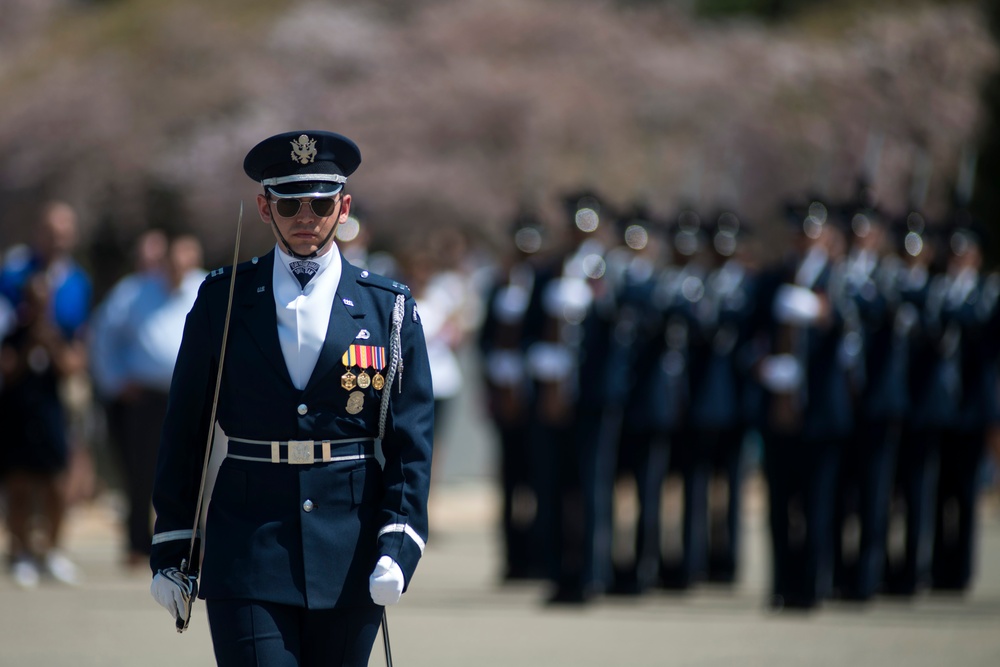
261	542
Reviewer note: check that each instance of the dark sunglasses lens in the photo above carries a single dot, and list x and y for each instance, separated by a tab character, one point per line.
286	208
323	206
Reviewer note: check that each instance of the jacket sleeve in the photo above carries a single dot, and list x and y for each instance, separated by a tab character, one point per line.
182	444
406	448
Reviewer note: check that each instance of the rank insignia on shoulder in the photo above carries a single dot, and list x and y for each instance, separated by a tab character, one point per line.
416	318
260	289
400	286
217	272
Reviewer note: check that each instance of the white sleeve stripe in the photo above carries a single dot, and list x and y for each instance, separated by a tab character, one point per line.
404	528
172	535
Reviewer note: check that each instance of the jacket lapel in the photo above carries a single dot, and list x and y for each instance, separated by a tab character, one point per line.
260	317
346	315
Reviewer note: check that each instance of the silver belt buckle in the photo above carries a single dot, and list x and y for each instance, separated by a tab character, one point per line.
301	452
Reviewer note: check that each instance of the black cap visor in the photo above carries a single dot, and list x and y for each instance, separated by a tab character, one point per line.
305	189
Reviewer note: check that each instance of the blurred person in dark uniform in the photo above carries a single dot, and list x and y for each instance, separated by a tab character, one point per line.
930	400
690	456
806	411
970	318
721	389
869	458
568	395
508	391
318	515
134	338
639	392
51	297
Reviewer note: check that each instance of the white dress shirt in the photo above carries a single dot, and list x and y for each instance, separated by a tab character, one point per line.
304	313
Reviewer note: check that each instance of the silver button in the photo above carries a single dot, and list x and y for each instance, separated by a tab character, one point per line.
303	408
308	506
254	260
364	274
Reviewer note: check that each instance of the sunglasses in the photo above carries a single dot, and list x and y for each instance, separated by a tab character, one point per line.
289	208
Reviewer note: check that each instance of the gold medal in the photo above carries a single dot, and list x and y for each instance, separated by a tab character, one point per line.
355	402
363	380
378	363
348	380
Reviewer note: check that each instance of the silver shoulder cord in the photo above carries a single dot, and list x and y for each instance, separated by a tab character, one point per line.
395	362
186	563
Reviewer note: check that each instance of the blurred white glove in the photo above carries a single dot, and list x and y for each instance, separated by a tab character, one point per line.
797	305
781	373
385	584
173	590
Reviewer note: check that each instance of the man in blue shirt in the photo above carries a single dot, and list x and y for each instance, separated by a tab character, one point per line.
135	336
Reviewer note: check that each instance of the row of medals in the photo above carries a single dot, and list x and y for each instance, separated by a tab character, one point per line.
350	381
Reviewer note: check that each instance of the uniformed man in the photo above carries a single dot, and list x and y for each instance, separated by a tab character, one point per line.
502	342
806	408
879	380
931	398
722	389
969	309
637	392
319	512
565	358
690	455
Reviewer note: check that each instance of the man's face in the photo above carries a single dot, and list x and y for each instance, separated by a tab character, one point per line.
56	234
305	230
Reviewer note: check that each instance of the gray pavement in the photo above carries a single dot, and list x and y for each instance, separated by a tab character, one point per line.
455	613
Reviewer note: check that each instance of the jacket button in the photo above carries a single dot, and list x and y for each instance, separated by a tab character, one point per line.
303	408
308	506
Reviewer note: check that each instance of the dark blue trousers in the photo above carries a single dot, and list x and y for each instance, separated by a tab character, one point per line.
864	490
958	490
247	633
801	479
916	485
724	518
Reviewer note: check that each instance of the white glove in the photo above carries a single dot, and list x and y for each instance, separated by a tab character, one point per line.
173	590
385	585
781	373
797	305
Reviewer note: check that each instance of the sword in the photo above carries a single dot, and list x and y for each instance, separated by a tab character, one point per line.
182	623
385	639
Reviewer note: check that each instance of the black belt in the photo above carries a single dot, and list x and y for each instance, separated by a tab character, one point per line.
301	452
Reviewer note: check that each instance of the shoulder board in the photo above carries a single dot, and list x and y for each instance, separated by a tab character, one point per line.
375	280
223	271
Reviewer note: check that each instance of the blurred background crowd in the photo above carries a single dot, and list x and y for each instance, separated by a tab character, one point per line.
688	244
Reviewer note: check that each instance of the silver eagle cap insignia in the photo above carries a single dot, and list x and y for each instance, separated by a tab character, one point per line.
304	149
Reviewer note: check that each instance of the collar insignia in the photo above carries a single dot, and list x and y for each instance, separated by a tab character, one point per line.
304	150
348	302
260	289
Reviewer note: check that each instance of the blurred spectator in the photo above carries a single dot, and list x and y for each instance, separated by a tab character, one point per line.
448	307
42	354
135	337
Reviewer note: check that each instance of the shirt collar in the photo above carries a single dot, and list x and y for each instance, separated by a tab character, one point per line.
329	261
325	260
